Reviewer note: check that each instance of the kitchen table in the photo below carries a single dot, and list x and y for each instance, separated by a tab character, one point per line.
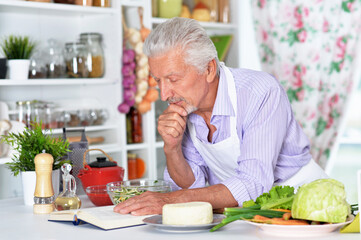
17	221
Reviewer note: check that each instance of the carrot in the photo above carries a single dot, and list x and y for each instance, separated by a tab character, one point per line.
286	216
281	221
260	218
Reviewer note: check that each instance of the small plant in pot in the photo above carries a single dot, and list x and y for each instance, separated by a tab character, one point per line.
27	145
17	50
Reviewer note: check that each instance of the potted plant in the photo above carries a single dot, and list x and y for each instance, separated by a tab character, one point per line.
17	50
27	145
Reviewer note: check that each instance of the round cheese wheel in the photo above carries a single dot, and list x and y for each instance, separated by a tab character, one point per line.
191	213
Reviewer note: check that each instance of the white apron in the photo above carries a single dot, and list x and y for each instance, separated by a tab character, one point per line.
229	149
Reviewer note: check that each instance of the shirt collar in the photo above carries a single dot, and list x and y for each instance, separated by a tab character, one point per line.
222	105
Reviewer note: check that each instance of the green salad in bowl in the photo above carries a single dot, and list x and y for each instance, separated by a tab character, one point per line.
122	190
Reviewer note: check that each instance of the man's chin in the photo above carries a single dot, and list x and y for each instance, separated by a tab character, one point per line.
190	109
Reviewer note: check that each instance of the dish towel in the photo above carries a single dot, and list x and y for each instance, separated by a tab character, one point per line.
353	227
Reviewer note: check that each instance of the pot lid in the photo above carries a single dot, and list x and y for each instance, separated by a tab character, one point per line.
102	162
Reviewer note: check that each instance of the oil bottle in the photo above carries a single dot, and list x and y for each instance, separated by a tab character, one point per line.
68	198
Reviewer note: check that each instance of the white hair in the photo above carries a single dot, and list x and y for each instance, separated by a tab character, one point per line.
187	35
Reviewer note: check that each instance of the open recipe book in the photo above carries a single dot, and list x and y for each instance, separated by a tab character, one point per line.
102	217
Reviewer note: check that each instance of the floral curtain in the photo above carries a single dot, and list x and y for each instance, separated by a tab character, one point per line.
309	46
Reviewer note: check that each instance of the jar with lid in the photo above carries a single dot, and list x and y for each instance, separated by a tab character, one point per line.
37	66
38	114
20	108
101	3
49	116
95	54
76	59
55	60
62	119
28	113
84	2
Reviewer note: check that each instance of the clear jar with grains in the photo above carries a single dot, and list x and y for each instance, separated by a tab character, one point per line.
55	60
50	116
101	3
95	55
76	59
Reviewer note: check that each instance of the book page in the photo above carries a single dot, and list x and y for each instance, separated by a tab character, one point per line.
106	218
66	215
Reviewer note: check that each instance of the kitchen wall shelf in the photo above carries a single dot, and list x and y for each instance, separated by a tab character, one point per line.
64	81
208	25
51	8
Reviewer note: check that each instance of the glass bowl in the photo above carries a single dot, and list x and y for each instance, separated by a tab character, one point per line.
122	190
98	195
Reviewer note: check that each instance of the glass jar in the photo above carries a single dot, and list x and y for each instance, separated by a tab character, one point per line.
132	166
55	60
84	2
28	113
37	66
101	3
38	114
63	119
169	8
75	59
20	108
49	116
95	54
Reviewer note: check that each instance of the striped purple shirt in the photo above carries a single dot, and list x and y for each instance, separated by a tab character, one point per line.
272	144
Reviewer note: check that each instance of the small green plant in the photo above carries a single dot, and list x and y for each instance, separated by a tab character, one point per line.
31	142
17	47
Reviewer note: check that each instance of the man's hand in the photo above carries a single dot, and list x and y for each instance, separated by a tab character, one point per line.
146	203
152	202
172	124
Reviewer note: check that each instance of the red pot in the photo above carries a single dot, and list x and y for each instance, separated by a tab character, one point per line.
100	172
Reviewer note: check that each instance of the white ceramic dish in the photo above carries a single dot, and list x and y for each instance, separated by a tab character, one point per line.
300	230
156	221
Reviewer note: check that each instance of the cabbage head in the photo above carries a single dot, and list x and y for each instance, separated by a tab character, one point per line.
322	200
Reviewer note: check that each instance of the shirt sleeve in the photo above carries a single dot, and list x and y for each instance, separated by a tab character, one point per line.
261	136
196	163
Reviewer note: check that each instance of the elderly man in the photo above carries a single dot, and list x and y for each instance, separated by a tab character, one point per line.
229	134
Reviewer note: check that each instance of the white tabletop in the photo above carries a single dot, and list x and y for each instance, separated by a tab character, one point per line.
17	221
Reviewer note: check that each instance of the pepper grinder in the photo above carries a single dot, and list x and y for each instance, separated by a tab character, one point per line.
44	193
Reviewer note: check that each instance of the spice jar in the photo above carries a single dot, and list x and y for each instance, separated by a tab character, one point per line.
62	119
55	60
75	58
101	3
95	54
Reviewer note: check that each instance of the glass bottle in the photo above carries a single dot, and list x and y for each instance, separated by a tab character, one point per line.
67	199
38	114
136	122
132	166
95	54
55	60
75	59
